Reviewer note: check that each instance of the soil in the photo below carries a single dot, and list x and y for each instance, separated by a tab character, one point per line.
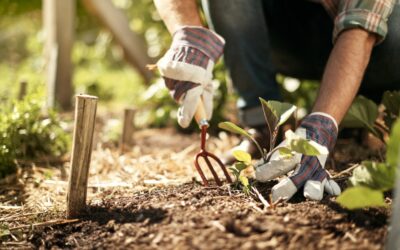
189	216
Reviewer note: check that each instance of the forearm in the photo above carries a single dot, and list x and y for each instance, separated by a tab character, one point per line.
178	13
344	72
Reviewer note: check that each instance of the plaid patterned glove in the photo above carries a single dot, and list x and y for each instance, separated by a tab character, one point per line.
310	173
187	69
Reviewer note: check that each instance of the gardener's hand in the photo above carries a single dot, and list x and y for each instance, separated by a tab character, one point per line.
187	69
309	170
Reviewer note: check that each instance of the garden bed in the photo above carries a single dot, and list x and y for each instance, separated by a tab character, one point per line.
148	198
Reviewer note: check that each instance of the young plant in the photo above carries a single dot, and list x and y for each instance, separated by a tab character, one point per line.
372	179
243	162
276	113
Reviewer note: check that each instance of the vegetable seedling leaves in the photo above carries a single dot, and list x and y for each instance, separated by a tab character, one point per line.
231	127
276	113
360	197
393	146
304	146
272	120
374	175
282	109
242	156
362	114
240	166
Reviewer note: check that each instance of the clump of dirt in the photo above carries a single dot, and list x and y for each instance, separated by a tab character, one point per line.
190	216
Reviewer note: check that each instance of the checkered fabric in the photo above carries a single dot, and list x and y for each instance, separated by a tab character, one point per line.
370	15
195	46
322	130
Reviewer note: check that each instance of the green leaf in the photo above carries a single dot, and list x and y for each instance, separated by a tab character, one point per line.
245	183
231	127
282	109
304	146
242	156
234	171
391	101
362	114
361	197
272	120
285	151
374	175
240	166
393	146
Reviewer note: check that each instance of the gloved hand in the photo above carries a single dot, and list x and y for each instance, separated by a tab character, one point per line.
310	173
187	69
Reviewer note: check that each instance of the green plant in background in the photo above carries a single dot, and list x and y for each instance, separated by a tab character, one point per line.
371	179
364	113
26	133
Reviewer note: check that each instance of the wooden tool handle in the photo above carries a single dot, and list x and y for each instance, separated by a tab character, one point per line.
200	114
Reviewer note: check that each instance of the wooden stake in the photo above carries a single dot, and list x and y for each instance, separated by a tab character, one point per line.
393	240
127	129
85	114
22	89
59	27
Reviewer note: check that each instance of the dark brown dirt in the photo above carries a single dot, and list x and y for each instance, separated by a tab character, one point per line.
190	216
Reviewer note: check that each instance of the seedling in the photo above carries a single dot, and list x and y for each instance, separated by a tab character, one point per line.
275	113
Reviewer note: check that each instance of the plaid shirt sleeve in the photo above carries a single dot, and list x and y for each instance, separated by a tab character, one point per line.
370	15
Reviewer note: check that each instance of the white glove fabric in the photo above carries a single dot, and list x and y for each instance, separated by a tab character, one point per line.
280	165
187	69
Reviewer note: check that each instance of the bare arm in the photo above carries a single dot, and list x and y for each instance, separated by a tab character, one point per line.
344	72
178	13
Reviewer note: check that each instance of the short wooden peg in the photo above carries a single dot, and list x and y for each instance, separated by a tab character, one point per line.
127	129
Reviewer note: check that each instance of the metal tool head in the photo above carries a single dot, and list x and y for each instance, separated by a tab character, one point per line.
208	157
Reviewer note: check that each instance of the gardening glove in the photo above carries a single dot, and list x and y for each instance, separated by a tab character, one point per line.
187	69
310	173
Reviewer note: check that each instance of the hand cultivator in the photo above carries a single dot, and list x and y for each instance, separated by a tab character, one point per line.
207	156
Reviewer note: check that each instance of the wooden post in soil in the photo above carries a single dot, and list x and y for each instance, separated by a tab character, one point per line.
59	27
393	241
23	85
127	129
85	114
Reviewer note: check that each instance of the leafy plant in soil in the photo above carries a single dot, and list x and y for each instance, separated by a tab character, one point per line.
275	113
26	133
371	179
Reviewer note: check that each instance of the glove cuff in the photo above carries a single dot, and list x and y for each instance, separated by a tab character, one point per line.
200	38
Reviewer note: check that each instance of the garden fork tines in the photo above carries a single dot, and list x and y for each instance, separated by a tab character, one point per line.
207	156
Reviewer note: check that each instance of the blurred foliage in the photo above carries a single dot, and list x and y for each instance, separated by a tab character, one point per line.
26	132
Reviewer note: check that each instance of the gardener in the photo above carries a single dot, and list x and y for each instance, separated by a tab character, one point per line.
297	38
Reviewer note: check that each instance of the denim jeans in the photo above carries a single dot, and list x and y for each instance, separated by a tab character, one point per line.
294	38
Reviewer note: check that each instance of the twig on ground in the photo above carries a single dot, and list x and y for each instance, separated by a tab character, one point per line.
10	207
17	216
261	198
46	223
346	171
